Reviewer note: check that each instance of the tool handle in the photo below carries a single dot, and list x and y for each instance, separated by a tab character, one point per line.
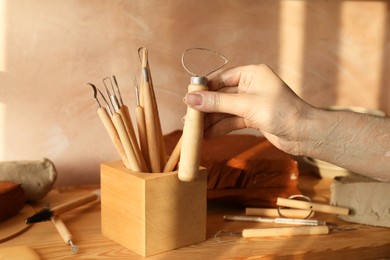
174	158
151	130
285	231
62	229
273	213
110	128
192	140
298	204
121	129
74	204
125	114
143	141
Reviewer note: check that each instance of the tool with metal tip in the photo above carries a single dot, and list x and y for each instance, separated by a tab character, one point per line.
120	127
140	118
109	126
125	114
64	233
47	213
193	125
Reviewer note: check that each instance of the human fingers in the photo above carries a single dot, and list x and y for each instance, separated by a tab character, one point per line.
209	101
213	118
224	78
224	126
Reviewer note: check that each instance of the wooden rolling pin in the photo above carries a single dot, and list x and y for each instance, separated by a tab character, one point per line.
192	136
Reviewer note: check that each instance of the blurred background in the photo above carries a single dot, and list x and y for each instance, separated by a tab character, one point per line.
329	52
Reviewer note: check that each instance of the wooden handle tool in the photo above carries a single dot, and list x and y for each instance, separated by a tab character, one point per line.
110	128
298	204
151	129
285	231
125	140
75	203
174	158
125	114
192	136
274	213
64	233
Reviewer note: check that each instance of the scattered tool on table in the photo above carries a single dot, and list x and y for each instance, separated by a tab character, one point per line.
47	213
298	204
64	233
293	221
283	231
275	213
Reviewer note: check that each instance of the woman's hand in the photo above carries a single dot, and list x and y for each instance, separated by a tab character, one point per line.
252	96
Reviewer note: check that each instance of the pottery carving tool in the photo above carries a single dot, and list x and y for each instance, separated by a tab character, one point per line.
275	213
285	231
291	221
277	232
47	213
150	115
123	111
109	126
174	158
193	125
298	204
140	118
64	233
120	127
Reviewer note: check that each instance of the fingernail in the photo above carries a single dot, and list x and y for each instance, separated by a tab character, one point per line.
193	99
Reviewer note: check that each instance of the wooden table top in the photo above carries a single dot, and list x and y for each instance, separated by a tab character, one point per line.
365	242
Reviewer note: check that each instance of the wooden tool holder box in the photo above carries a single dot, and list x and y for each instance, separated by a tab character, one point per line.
150	213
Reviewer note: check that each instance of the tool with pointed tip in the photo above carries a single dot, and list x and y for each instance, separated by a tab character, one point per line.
140	118
151	114
193	125
124	113
64	233
47	213
125	138
108	125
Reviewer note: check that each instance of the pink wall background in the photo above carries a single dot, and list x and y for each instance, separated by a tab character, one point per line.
329	52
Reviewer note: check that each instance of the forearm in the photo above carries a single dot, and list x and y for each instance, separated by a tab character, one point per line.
358	142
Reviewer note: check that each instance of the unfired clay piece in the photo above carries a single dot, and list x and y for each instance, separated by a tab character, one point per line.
368	200
36	177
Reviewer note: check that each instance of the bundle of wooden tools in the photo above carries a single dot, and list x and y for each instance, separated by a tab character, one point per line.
147	154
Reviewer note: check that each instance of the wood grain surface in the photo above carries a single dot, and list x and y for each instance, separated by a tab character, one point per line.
365	242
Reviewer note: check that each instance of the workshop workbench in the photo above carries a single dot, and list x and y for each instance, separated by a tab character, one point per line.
365	242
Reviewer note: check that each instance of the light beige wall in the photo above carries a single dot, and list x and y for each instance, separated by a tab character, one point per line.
330	52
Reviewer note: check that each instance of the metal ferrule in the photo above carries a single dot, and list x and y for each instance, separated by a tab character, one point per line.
197	80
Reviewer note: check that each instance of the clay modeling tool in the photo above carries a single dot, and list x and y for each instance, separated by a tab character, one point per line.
278	231
123	111
47	213
284	231
109	126
140	118
64	233
150	115
298	204
274	213
292	221
193	125
122	132
174	158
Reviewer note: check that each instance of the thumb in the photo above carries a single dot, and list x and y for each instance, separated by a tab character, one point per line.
209	101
